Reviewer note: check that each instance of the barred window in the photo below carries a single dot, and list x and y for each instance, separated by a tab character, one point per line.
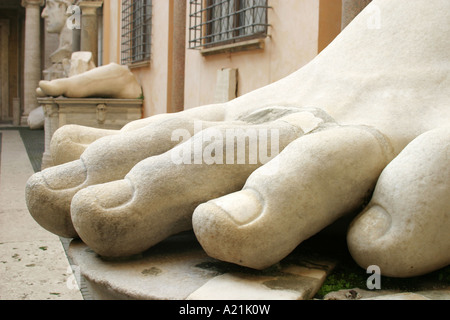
136	31
216	22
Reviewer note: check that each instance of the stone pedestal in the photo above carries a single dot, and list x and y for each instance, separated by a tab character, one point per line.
32	63
51	124
96	112
179	269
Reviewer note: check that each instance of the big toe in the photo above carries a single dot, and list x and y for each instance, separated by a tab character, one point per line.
405	229
49	88
235	229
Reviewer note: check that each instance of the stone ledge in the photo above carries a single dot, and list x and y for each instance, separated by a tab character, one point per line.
254	44
179	269
103	113
71	101
360	294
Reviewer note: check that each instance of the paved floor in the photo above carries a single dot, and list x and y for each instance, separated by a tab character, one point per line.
33	263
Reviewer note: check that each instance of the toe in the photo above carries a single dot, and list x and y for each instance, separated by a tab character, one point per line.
108	221
65	176
48	195
49	88
99	215
405	228
229	229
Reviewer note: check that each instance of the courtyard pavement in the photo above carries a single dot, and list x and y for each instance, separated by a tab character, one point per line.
33	262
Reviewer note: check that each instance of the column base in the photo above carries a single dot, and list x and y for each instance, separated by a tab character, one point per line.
24	121
47	161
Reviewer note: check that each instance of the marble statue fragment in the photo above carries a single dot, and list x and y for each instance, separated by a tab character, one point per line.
55	15
370	114
108	81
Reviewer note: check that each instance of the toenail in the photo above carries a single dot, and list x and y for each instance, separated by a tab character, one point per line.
242	207
113	194
65	176
374	222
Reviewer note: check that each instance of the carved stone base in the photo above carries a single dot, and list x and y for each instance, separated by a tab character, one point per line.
47	160
90	112
179	269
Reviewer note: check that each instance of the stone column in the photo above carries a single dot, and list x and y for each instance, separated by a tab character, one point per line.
176	56
50	126
351	8
76	40
32	63
89	27
76	31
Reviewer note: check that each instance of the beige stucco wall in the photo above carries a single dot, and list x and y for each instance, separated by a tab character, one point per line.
292	42
153	78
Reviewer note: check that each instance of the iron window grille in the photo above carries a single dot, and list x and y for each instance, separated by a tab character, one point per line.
136	31
217	22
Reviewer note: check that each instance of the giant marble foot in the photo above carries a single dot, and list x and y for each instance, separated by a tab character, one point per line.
367	113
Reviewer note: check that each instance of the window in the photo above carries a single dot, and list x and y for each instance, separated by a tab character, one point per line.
136	31
217	22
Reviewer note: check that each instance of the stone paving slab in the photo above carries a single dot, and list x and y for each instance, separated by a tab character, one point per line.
400	296
179	269
360	294
33	265
36	270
